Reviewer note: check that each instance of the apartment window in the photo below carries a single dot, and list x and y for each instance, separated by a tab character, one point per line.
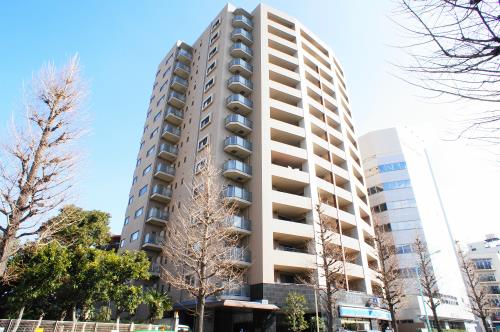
151	99
211	67
403	204
205	121
157	116
145	128
134	180
392	167
392	185
150	151
482	264
122	243
209	84
408	272
149	113
158	72
146	170
154	132
212	52
166	72
134	236
138	162
213	39
202	143
143	190
404	249
130	200
215	24
127	219
163	86
142	144
160	101
207	102
379	208
199	165
139	212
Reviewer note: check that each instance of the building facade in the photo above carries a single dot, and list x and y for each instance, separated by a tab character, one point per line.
271	101
486	257
404	198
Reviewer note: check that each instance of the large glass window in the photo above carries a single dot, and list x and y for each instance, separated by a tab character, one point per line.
143	190
392	167
139	212
134	236
483	264
404	249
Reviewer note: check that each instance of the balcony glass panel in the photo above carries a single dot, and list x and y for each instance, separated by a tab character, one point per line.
236	140
242	47
242	63
240	119
161	167
165	147
241	80
238	192
162	190
237	165
241	99
172	129
157	214
240	222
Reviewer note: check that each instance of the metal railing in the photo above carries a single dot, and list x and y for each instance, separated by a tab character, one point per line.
237	192
238	166
242	32
239	254
184	53
240	222
158	214
177	95
241	291
243	47
175	112
60	326
180	80
239	119
172	129
165	168
239	98
243	19
240	79
161	190
236	140
166	147
182	66
242	63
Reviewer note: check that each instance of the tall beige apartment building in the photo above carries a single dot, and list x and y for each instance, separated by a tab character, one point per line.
270	99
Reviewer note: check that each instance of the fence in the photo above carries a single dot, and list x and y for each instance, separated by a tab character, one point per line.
67	326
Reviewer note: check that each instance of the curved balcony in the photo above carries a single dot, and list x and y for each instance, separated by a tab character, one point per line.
165	172
152	242
161	193
157	217
240	67
241	224
174	116
179	84
238	195
241	35
240	85
240	50
241	21
237	170
168	151
171	133
238	146
239	104
238	124
184	56
182	70
176	99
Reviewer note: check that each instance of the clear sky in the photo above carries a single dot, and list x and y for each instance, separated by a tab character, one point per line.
120	43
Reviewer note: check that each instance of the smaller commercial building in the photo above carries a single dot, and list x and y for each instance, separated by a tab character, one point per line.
486	257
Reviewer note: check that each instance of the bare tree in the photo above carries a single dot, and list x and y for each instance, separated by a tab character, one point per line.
200	244
427	279
329	275
477	293
389	276
37	162
455	53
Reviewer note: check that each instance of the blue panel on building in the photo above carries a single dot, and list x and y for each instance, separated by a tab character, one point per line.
357	312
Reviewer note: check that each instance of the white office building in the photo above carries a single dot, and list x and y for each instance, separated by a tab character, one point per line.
404	197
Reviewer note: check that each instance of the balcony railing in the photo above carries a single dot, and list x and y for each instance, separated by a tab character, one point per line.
164	168
241	99
239	48
179	84
168	148
241	291
172	130
154	268
283	247
152	239
240	33
239	119
238	192
240	222
239	254
241	63
241	20
175	112
238	166
182	69
177	95
238	79
158	214
161	190
182	53
239	141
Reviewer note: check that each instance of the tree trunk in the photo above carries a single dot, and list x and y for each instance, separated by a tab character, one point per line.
18	320
434	313
394	324
200	313
485	324
117	321
73	327
40	320
6	245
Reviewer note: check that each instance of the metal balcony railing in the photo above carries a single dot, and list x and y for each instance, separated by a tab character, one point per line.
237	192
240	119
237	165
236	140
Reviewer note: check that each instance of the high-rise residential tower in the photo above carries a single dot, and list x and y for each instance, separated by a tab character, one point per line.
486	258
271	101
404	198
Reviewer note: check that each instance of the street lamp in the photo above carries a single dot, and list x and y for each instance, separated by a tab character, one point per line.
417	270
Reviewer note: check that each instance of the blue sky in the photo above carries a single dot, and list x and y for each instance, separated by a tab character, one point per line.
121	42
